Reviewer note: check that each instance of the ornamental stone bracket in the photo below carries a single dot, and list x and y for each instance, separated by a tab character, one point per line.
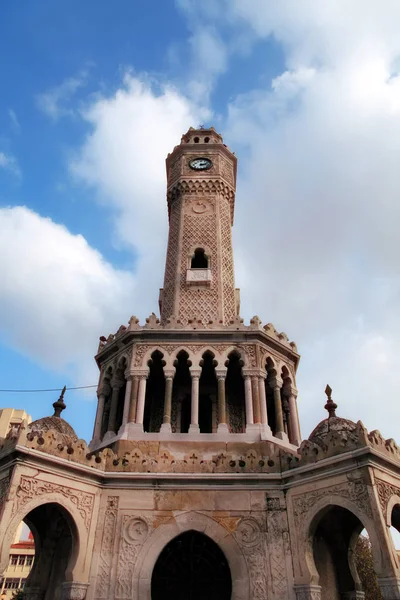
308	592
74	591
389	587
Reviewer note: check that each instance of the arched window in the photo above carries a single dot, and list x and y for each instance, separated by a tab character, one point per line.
199	259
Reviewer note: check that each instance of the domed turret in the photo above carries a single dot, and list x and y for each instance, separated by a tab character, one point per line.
331	424
55	422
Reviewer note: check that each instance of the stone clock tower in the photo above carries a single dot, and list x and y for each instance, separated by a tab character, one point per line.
199	276
196	483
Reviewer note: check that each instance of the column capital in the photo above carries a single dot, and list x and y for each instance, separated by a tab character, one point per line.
275	382
117	383
128	375
249	373
104	389
221	373
195	373
169	373
144	373
290	390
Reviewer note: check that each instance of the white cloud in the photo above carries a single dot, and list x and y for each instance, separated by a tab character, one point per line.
123	160
55	102
8	162
317	213
58	294
14	120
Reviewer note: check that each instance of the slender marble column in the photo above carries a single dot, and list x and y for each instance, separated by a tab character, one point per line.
248	400
127	400
263	404
194	414
276	385
221	375
112	419
141	399
256	399
133	400
169	380
99	416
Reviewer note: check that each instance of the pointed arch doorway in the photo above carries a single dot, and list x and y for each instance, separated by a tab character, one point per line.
191	567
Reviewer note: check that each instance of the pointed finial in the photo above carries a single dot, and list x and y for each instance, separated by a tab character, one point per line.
60	405
330	406
201	126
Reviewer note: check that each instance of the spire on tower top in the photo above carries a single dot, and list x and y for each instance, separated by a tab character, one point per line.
60	405
330	406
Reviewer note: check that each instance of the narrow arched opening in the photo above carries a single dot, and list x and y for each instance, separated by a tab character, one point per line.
56	549
155	392
269	394
181	405
191	567
121	393
235	402
199	259
208	393
334	546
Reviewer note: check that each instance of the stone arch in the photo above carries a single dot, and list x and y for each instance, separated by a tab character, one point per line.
234	349
186	522
310	523
57	526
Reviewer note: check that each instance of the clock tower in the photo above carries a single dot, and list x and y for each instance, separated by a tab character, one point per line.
199	275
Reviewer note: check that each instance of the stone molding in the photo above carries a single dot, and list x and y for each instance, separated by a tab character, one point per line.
74	590
308	592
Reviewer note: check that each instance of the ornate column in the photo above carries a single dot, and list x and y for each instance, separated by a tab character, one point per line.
169	380
133	399
194	414
141	398
390	588
127	398
103	391
72	590
308	592
116	385
294	429
256	399
263	403
248	400
222	426
276	385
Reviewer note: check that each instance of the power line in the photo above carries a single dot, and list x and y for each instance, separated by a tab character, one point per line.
82	387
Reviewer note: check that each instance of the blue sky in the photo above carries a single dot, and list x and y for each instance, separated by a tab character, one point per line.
94	95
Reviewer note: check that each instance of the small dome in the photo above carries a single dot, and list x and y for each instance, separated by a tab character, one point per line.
53	423
332	424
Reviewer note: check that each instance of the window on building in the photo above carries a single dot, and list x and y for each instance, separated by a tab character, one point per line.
23	581
29	561
11	584
21	560
199	259
14	559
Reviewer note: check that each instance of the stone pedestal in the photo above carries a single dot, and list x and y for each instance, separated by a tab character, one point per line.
390	588
72	590
308	592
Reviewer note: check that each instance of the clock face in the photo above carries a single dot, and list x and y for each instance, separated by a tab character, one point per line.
200	164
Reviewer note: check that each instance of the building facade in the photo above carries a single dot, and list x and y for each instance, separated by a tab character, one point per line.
197	483
22	555
11	420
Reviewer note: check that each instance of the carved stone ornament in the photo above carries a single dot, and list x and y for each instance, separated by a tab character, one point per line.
385	492
4	487
74	591
390	588
308	592
107	545
29	488
356	491
140	351
250	539
135	531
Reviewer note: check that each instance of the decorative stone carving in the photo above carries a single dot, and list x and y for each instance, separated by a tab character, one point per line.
278	547
134	533
385	492
74	591
107	546
355	490
308	592
389	587
29	488
4	487
140	351
249	535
